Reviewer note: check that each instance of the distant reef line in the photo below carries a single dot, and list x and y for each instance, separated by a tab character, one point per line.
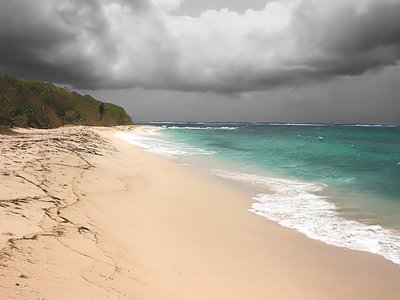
39	104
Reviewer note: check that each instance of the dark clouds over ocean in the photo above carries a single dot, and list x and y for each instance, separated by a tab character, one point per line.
106	44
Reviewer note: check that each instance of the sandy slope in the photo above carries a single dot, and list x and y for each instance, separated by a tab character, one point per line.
84	215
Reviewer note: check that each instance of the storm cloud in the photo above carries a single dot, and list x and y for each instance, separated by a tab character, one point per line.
111	44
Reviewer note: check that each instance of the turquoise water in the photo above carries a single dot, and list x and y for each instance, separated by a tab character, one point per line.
336	183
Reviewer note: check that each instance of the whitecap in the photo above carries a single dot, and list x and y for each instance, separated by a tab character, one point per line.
200	128
148	139
295	204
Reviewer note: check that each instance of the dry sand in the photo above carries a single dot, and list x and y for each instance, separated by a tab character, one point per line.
84	215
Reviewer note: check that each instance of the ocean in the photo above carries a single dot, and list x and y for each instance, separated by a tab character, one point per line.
336	183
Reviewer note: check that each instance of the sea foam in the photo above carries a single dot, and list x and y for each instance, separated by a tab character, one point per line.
296	204
200	128
149	140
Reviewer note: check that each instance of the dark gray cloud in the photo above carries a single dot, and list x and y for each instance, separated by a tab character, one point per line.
43	39
352	38
138	43
373	97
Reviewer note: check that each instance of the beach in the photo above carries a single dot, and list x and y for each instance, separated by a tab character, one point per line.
86	215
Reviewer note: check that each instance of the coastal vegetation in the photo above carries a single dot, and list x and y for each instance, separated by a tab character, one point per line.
39	104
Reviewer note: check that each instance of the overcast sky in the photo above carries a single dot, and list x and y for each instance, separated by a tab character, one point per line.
253	60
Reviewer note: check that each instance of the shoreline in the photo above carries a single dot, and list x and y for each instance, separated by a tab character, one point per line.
145	227
294	203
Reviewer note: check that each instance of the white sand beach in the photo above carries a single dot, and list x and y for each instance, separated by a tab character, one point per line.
85	215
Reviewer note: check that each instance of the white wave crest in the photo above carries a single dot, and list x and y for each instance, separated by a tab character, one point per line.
200	128
150	141
295	205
